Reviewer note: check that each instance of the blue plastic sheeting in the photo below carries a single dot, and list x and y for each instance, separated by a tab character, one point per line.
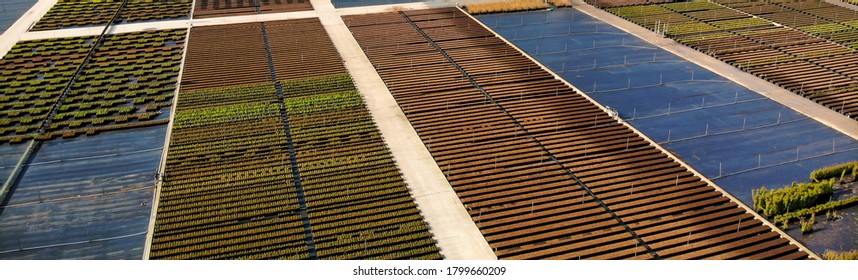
729	133
84	198
9	156
11	10
362	3
56	225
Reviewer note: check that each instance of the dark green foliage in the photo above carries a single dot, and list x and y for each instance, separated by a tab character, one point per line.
833	171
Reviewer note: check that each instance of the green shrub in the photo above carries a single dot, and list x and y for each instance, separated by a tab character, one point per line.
794	197
840	255
807	226
816	209
126	110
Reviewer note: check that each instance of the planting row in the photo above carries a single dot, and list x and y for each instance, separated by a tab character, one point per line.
357	203
828	21
806	64
544	173
299	49
126	83
620	3
215	49
228	190
220	8
67	13
33	78
295	168
685	18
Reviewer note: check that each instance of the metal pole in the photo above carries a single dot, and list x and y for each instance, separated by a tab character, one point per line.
796	152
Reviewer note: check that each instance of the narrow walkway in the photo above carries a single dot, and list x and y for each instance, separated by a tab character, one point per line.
453	229
800	104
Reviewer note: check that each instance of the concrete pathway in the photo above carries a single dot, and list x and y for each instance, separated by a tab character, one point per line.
456	234
800	104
